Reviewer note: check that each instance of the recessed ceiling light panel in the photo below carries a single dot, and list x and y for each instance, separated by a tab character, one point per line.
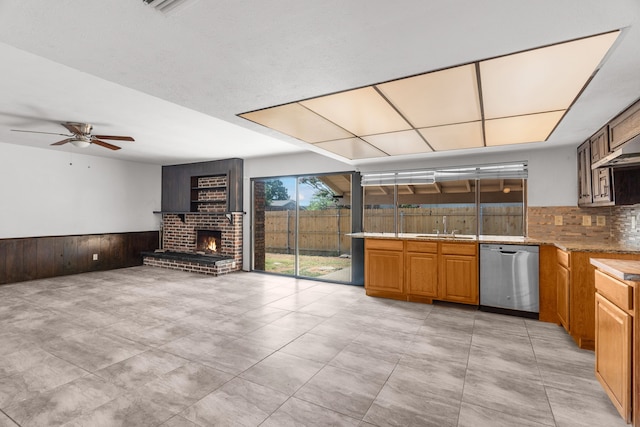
454	137
399	143
521	129
433	99
297	121
360	111
511	99
540	80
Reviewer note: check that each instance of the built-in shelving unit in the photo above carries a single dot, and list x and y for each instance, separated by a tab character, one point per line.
183	186
206	197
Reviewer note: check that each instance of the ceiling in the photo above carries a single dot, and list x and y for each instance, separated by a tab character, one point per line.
176	82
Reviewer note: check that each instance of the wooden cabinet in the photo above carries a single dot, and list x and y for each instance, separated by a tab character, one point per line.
384	268
459	272
608	186
625	126
563	288
594	186
601	190
613	329
432	270
582	291
599	144
601	187
563	296
584	174
422	268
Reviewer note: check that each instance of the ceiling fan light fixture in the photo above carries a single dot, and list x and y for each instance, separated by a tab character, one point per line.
81	142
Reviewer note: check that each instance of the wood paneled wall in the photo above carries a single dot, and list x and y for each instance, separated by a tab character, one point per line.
41	257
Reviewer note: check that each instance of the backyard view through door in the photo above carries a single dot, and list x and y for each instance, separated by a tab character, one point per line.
300	226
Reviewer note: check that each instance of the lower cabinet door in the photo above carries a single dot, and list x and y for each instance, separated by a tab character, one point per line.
562	295
384	271
422	274
613	354
459	278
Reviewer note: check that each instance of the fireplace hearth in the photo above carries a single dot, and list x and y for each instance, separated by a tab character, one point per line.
208	242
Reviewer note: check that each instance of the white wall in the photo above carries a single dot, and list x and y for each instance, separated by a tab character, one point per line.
552	174
51	193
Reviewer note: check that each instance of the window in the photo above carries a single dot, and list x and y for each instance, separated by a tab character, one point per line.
485	200
300	226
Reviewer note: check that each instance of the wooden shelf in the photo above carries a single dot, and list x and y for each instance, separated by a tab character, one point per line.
213	202
219	187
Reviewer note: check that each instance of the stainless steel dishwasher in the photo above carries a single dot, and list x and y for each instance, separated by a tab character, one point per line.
509	278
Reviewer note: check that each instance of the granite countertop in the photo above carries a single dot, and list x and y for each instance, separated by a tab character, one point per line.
582	246
577	245
620	268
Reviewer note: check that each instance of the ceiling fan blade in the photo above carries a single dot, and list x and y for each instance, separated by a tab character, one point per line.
64	141
117	138
35	131
104	144
71	128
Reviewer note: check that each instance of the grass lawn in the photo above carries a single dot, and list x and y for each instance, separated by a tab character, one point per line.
310	266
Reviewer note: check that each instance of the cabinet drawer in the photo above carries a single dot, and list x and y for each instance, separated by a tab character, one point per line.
429	247
384	244
614	290
563	258
459	248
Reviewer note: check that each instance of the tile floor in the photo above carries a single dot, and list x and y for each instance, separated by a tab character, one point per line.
144	346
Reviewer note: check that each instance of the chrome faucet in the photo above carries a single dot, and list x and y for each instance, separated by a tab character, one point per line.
444	224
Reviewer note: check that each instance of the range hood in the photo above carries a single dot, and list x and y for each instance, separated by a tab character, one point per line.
628	154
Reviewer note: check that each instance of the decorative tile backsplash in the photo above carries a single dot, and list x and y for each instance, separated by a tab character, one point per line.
615	224
625	225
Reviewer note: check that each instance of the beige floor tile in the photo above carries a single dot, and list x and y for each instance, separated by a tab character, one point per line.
182	350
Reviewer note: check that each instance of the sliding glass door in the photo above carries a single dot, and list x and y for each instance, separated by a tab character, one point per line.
300	225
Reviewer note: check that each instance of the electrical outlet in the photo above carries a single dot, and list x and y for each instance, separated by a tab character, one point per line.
557	219
601	221
638	222
95	257
586	220
633	223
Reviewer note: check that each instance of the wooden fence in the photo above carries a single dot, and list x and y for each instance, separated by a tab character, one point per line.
322	232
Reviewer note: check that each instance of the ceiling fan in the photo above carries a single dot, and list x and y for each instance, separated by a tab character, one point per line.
81	136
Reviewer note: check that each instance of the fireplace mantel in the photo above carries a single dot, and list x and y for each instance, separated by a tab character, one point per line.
181	214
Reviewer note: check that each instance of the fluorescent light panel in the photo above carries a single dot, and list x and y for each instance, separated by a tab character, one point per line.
454	137
439	98
539	80
524	96
399	143
297	121
360	111
521	129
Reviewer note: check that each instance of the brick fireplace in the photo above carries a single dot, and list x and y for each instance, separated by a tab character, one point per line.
206	238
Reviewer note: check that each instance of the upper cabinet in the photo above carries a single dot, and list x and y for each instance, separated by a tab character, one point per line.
604	186
584	174
625	126
594	186
599	144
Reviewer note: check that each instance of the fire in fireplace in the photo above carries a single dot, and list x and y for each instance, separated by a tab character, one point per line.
208	241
